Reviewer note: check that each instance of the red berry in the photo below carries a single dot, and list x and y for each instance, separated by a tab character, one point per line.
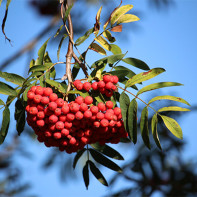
108	93
58	111
113	87
57	135
96	124
65	109
87	114
70	117
65	132
84	140
88	132
62	118
47	134
72	141
47	91
83	107
88	100
119	123
27	108
100	115
53	97
48	112
64	142
79	100
101	107
108	85
44	100
39	90
95	86
109	104
110	111
108	116
115	79
104	123
74	107
68	125
33	89
37	98
33	110
101	84
112	123
106	78
79	86
80	133
94	109
60	102
102	90
117	111
76	82
59	125
53	119
114	130
93	118
30	95
87	86
40	115
52	106
79	115
52	127
40	107
40	123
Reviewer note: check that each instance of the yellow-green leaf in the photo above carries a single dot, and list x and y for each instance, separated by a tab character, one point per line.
98	15
144	76
127	18
103	42
7	90
56	84
115	49
97	48
173	126
167	97
107	34
81	39
173	108
120	12
159	85
1	102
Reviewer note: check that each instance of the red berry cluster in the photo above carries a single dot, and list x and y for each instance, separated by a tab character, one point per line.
106	86
70	126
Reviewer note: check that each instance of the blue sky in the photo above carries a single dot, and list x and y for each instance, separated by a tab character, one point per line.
167	39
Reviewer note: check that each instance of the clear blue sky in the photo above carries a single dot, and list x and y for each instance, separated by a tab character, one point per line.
167	39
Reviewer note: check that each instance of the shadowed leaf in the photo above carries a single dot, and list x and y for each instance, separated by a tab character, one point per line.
86	175
97	48
136	63
77	157
81	39
7	90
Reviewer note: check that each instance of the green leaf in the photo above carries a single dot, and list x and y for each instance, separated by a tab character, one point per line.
124	105
67	12
173	126
32	63
173	108
125	140
60	45
26	91
108	151
115	49
144	76
38	68
103	43
127	18
159	85
56	84
20	116
14	78
83	94
132	120
136	63
78	156
5	124
107	34
167	97
81	39
41	53
119	12
96	172
110	60
144	127
7	90
119	73
98	157
97	48
58	31
86	175
154	122
1	102
122	68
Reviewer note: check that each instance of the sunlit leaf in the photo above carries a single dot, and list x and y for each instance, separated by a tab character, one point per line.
98	15
159	85
77	157
86	175
136	63
81	39
96	172
144	127
103	43
144	76
11	77
98	157
1	102
173	108
32	63
83	94
115	49
108	151
5	124
154	122
167	97
120	12
127	18
173	126
7	90
132	120
56	84
97	48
